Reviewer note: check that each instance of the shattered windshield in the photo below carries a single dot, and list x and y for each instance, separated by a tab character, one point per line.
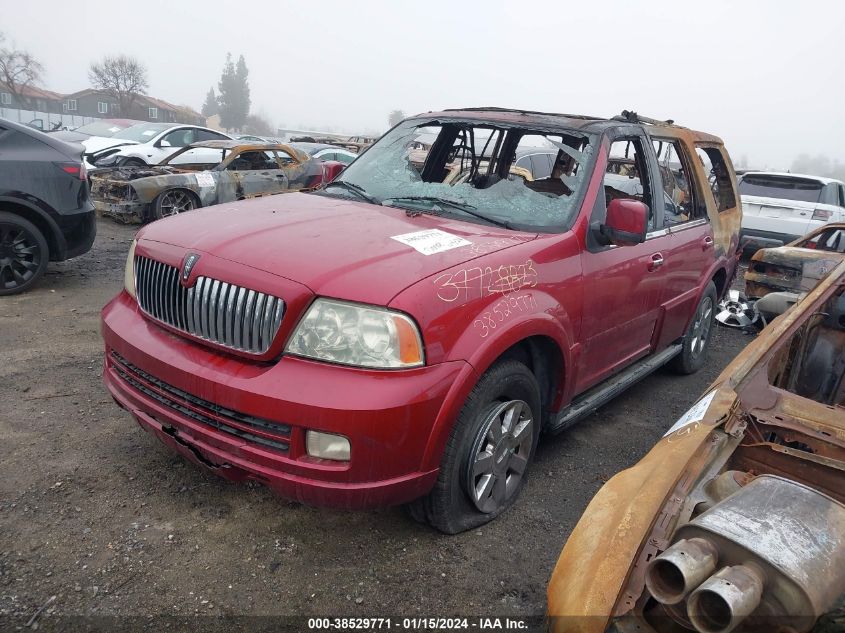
471	170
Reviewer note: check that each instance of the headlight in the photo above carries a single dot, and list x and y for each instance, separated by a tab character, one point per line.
129	271
359	335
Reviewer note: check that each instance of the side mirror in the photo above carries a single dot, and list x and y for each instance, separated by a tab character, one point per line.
164	143
626	222
331	170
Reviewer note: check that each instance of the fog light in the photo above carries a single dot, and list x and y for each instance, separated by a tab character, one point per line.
327	446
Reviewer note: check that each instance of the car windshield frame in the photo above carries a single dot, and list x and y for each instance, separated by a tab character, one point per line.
129	133
386	173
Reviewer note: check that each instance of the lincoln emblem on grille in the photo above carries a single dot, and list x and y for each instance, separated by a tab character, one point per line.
188	266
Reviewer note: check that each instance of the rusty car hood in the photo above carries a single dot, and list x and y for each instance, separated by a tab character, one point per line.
338	248
792	268
814	263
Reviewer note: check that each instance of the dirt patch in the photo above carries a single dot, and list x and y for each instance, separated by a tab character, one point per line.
95	512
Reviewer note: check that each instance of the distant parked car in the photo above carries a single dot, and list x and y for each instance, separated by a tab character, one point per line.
236	171
150	143
324	152
252	138
778	208
45	209
99	129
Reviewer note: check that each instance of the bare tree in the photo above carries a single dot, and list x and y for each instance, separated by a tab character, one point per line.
19	70
122	77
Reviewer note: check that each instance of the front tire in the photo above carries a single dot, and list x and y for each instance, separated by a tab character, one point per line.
488	452
23	254
173	202
698	334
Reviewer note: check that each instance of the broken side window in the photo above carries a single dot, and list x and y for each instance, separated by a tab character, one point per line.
253	160
831	240
718	175
627	175
679	203
470	169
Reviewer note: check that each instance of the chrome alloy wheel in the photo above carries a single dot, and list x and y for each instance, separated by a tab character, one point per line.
736	311
701	327
174	202
500	455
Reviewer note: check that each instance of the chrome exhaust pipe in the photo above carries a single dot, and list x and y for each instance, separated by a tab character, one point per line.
680	569
725	599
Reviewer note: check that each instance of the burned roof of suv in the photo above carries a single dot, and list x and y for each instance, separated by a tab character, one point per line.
578	122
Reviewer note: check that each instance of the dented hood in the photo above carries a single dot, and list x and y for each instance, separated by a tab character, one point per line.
94	144
338	248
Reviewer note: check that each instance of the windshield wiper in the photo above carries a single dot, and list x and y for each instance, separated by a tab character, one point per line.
356	189
454	204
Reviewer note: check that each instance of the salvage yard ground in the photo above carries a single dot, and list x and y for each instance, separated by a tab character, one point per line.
95	512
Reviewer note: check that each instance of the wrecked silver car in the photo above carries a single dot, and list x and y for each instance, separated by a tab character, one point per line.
241	170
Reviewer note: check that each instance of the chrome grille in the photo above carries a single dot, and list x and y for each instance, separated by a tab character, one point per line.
211	309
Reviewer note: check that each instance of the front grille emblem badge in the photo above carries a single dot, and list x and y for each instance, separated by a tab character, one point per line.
188	266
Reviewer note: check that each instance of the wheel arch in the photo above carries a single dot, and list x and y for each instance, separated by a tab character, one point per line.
720	280
541	342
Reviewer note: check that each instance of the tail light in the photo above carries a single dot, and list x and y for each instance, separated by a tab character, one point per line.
822	214
77	170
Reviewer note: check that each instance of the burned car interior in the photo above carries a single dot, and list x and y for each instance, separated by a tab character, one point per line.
471	165
757	542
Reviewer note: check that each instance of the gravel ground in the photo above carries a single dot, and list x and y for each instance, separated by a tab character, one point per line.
95	513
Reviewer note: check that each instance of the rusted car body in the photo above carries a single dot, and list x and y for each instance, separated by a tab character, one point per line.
798	266
245	170
736	519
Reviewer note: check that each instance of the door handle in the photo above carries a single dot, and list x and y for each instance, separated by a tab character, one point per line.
706	243
655	263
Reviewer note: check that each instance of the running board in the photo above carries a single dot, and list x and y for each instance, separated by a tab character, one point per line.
604	392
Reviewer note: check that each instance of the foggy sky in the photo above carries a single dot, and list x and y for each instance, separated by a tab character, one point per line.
765	76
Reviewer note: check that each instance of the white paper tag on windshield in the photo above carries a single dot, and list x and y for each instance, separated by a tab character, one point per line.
695	414
431	241
204	179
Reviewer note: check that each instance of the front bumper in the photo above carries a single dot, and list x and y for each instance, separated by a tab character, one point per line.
247	420
79	230
127	212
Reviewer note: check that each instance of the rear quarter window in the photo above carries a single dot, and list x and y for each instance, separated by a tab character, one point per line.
718	172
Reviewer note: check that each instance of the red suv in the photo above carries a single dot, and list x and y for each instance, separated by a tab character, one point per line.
405	334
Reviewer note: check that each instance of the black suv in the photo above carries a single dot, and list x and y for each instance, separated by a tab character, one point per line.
46	212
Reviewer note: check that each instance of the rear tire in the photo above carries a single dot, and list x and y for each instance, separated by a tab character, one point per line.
488	452
133	162
23	254
698	334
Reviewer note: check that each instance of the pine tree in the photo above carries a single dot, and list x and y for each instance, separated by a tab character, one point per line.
242	77
210	107
228	94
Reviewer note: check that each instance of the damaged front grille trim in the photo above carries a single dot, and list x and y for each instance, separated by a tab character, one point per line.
137	378
213	310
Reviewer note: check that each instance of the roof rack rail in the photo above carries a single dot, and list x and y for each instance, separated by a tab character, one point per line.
632	117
